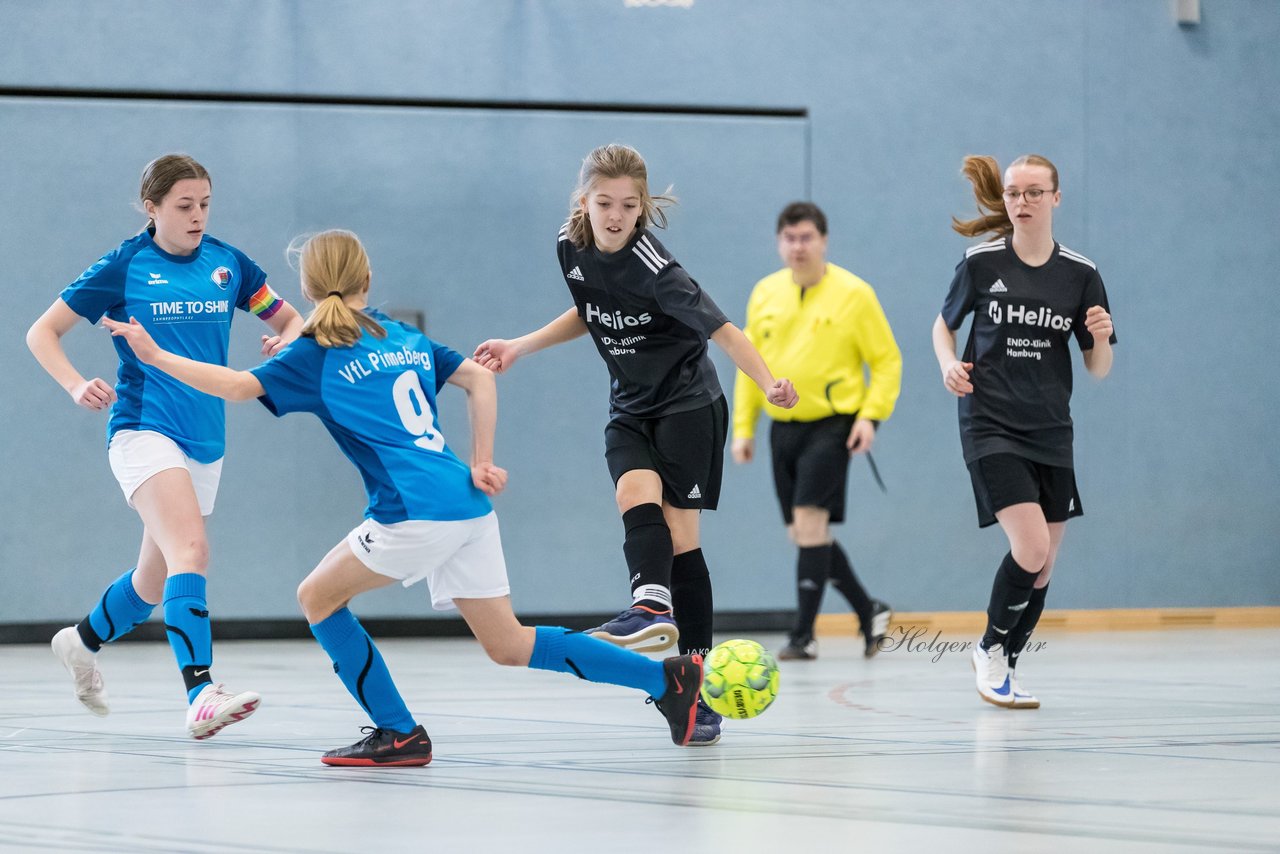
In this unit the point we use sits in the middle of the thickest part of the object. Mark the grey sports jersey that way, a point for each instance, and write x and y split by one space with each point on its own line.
1023 317
649 320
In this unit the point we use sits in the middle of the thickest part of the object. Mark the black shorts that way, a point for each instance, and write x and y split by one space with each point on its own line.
686 449
811 464
1002 480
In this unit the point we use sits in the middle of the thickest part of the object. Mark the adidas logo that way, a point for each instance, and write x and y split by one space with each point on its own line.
575 273
695 492
998 288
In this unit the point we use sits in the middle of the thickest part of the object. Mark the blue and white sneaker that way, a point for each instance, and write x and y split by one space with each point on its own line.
639 629
1022 698
991 669
706 726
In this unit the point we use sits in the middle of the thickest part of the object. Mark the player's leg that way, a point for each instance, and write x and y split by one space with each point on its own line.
474 580
125 604
673 683
689 450
1007 490
648 624
396 738
174 514
1060 501
1021 633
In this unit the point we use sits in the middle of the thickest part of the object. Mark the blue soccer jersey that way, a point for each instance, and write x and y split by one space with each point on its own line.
185 302
378 400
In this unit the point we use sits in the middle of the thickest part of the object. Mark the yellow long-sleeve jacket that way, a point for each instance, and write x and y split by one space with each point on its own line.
819 338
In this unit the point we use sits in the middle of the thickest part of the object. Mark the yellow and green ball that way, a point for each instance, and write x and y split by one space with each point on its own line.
740 678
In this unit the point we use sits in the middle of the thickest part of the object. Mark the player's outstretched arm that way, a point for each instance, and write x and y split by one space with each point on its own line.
482 409
201 376
779 392
44 339
499 354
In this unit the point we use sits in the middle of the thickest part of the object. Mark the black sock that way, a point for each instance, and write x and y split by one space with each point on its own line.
1021 633
1009 596
648 552
813 566
691 596
846 581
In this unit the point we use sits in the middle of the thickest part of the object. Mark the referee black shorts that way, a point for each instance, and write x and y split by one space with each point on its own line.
811 464
1002 480
686 449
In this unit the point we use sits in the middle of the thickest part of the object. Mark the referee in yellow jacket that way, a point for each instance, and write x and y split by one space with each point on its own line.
819 325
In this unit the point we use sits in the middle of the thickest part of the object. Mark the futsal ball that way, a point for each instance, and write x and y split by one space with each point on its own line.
739 679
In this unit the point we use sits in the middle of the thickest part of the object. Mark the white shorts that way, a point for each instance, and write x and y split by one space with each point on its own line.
459 560
137 455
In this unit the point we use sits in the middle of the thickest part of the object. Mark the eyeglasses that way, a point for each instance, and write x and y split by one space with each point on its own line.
1032 195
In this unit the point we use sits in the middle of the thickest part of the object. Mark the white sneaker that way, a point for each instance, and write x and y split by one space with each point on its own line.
1022 698
215 708
991 669
83 667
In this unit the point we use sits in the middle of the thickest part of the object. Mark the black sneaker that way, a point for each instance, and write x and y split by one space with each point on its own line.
679 703
384 747
803 648
874 629
706 726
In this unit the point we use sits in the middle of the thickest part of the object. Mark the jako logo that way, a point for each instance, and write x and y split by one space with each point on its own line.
617 320
1042 316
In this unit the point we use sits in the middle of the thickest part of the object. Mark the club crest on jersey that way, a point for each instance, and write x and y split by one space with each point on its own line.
1042 316
221 277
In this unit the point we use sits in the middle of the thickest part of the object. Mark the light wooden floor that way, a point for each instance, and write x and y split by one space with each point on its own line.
1147 741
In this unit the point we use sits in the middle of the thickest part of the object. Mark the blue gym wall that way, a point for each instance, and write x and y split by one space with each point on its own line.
1165 138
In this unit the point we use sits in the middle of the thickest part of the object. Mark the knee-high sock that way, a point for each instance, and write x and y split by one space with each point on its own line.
118 612
359 665
595 660
694 606
186 620
813 566
1021 633
648 552
1010 593
844 579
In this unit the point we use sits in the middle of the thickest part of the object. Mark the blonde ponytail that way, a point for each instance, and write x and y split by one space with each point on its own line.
333 265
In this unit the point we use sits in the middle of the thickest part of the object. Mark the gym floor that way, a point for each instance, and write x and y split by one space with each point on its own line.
1146 741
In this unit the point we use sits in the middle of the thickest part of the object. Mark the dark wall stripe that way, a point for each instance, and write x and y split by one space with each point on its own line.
291 98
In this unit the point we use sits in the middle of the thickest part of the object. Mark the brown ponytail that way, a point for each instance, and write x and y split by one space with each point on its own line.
988 188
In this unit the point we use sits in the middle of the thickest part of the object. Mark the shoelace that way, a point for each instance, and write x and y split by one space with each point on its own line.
374 733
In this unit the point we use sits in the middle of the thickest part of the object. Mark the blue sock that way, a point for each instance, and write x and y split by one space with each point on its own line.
118 612
186 620
595 660
359 665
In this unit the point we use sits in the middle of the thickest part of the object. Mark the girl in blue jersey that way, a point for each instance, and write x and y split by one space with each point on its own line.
1029 296
373 382
165 441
